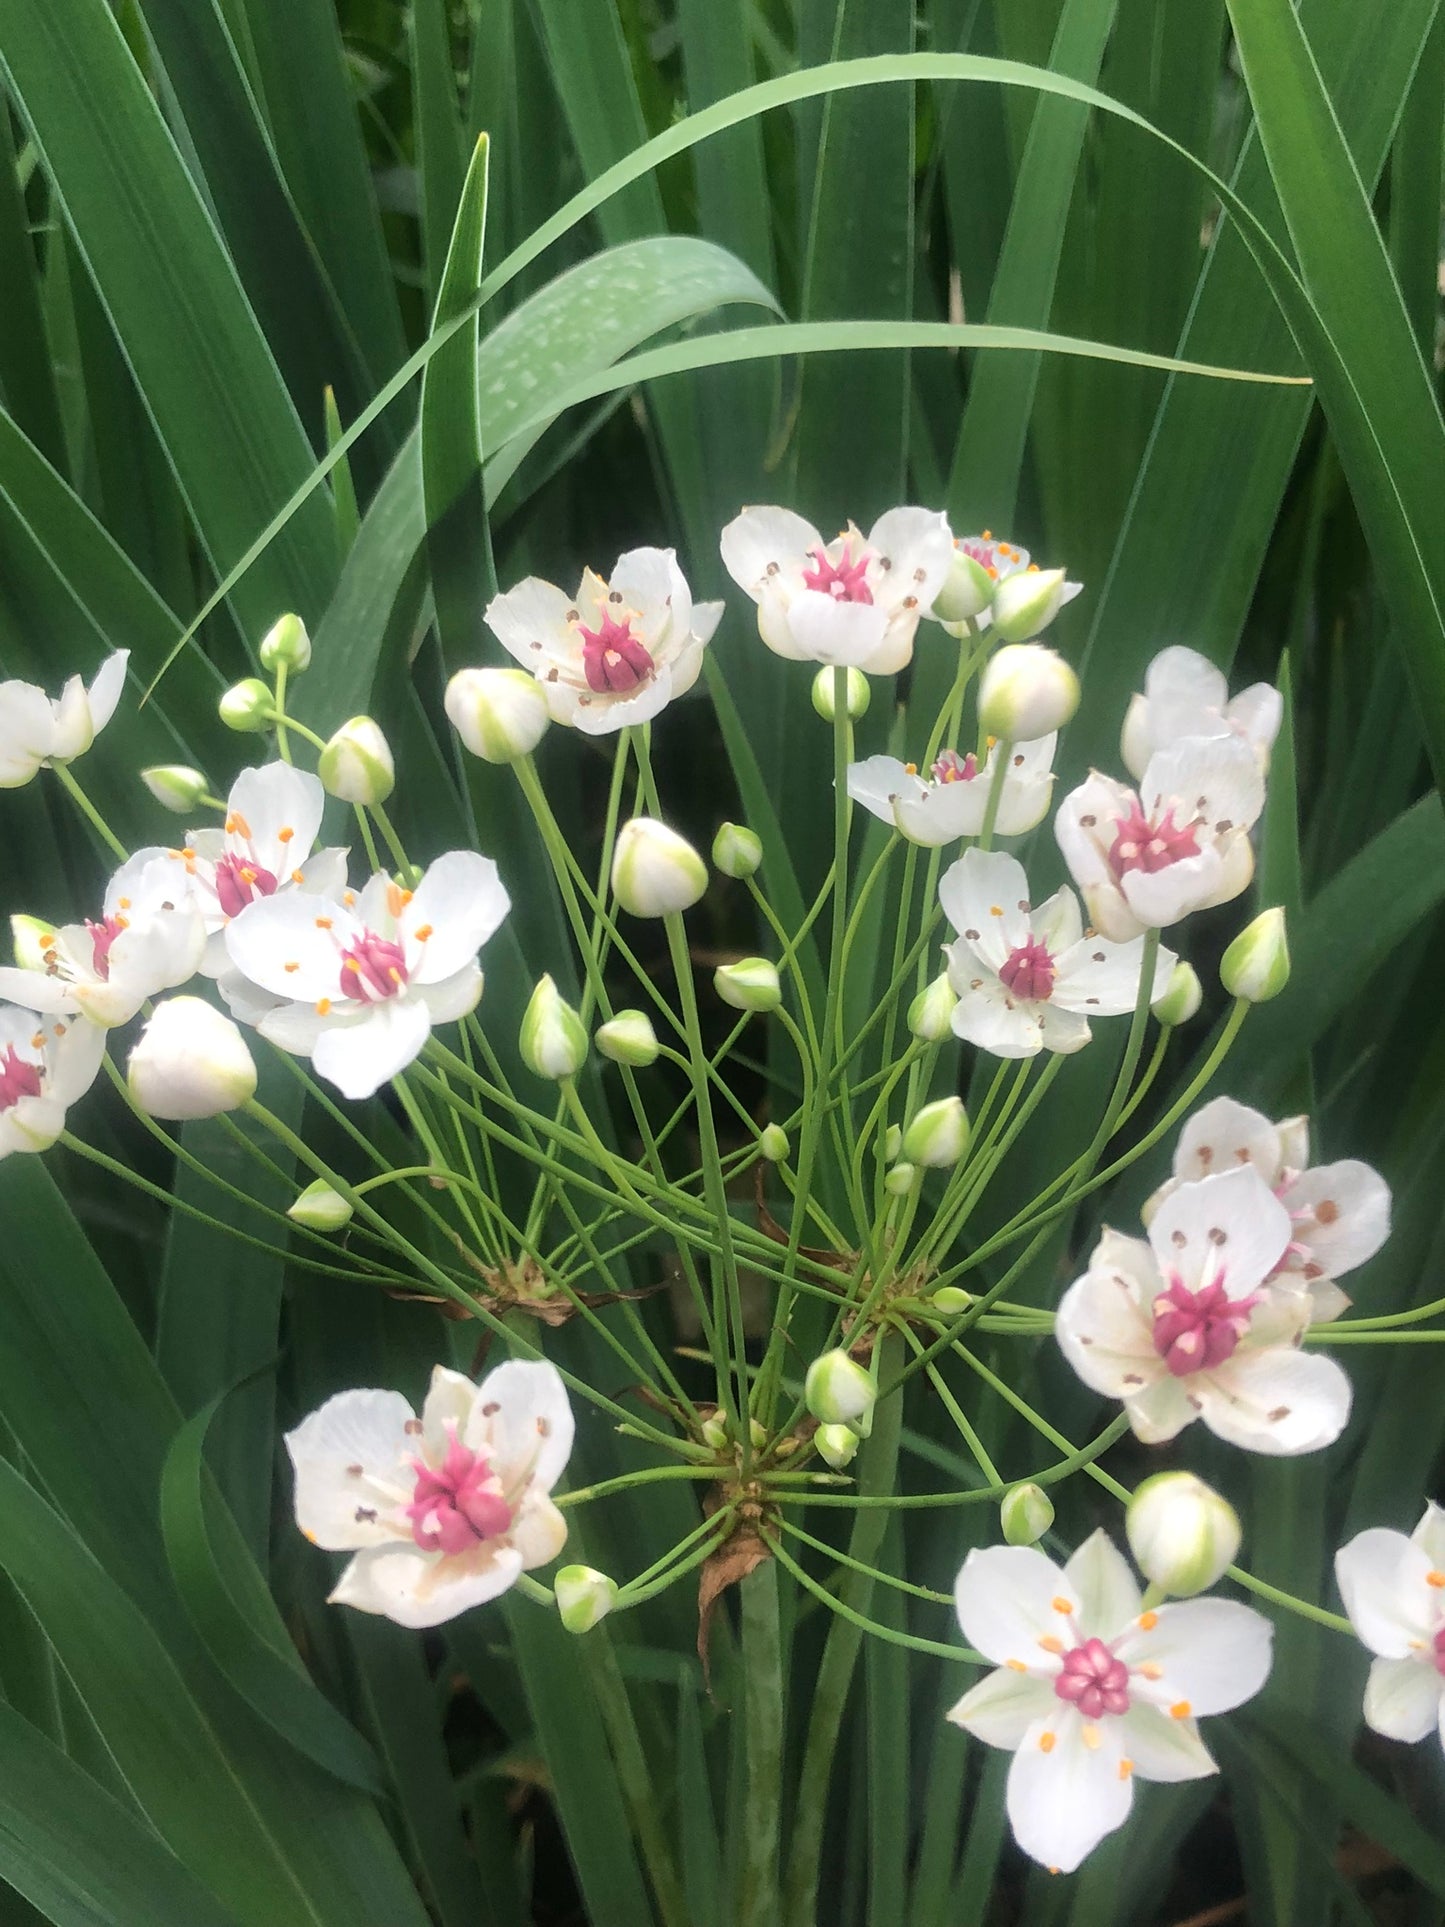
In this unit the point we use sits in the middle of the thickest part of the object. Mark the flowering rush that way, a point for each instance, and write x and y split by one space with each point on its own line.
952 800
445 1511
1394 1593
1091 1689
37 731
45 1066
1186 695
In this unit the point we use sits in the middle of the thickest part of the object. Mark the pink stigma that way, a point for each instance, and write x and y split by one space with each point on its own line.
613 660
1438 1652
460 1505
102 936
238 880
1028 972
845 581
1195 1330
1093 1680
373 968
1142 845
17 1079
952 768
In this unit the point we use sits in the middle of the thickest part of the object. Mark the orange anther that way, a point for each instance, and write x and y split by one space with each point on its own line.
323 1005
1148 1621
298 876
1016 1666
285 836
1180 1710
422 932
290 967
323 923
1126 1767
1047 1742
1435 1578
1051 1643
1059 1603
124 903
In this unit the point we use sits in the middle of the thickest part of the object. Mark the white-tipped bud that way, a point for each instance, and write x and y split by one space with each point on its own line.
1027 691
1181 1532
175 786
900 1180
554 1038
839 1391
937 1135
838 1444
931 1012
967 590
286 642
1025 604
356 764
500 714
750 984
320 1208
190 1061
655 872
1256 965
892 1142
628 1038
247 706
736 850
1182 997
715 1432
858 696
1026 1512
773 1143
584 1596
32 938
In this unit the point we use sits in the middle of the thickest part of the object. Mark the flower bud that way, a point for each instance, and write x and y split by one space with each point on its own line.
31 938
1026 1512
500 714
1182 996
950 1302
736 850
175 786
859 695
967 590
836 1443
628 1038
356 764
654 870
554 1038
1026 603
773 1143
715 1432
1026 692
584 1596
900 1180
750 984
892 1142
931 1012
938 1134
320 1208
247 706
839 1391
1181 1532
190 1061
1256 965
286 642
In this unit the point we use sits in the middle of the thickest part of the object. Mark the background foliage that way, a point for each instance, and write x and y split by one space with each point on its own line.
224 226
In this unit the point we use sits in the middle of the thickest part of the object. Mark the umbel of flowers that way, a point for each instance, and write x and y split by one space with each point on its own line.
289 916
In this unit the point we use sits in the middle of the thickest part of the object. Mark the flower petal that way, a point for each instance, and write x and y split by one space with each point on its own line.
531 624
1404 1698
106 688
538 1532
917 546
1383 1579
453 997
420 1589
461 901
1107 1592
522 1418
1341 1213
1229 1228
351 1461
270 802
1005 1597
1103 1329
989 1019
985 896
846 634
1002 1707
359 1057
291 944
1212 1654
1064 1798
1277 1401
1101 979
764 541
1164 1749
1225 1134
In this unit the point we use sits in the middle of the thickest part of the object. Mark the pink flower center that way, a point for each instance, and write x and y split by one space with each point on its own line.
102 936
374 967
18 1078
458 1505
1194 1330
845 581
1140 844
1093 1680
1028 972
613 660
952 768
238 880
1438 1651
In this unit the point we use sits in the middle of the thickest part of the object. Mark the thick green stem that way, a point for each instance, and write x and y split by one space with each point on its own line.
615 1707
763 1700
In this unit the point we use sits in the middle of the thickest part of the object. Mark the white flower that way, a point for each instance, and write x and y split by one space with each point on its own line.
1186 1326
190 1061
443 1511
356 764
365 978
149 938
36 731
852 602
655 872
1339 1213
1394 1593
1091 1690
44 1068
1185 695
1029 980
1182 843
615 653
955 802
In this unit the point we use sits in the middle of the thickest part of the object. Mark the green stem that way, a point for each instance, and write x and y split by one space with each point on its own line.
600 1661
763 1704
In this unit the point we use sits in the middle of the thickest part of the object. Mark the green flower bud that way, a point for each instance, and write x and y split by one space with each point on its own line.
967 589
628 1038
1181 1532
1256 965
736 850
286 642
32 938
937 1136
837 1444
500 714
715 1432
892 1142
900 1180
248 706
584 1596
1182 996
950 1302
175 786
655 872
1025 604
320 1208
750 984
931 1012
1026 692
554 1038
356 764
1026 1513
838 1391
858 694
773 1143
